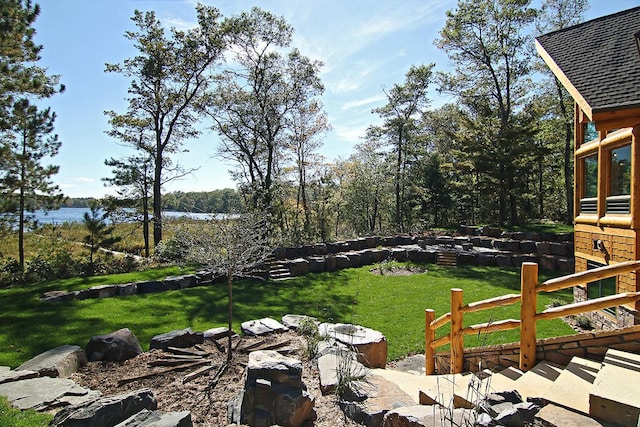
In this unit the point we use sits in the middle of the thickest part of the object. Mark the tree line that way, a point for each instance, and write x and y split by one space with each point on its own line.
500 152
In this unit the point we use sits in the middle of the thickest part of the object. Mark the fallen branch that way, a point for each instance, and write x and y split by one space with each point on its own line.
196 374
262 345
162 371
187 352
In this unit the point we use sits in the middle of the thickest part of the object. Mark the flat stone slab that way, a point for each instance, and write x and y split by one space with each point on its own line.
556 416
58 362
262 326
217 333
9 376
106 411
427 416
147 418
293 321
616 390
180 338
45 393
571 388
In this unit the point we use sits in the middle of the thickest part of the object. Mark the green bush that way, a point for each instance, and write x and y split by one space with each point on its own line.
10 272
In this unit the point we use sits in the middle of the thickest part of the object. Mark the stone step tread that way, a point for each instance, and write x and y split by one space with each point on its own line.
530 384
572 387
437 387
615 393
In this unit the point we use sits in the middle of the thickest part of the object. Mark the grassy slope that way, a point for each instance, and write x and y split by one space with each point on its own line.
393 305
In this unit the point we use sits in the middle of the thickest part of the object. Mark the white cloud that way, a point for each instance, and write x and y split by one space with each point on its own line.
364 101
85 179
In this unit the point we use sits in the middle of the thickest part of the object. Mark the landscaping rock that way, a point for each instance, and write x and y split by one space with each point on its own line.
127 289
151 287
45 393
58 296
262 326
58 362
217 333
273 393
298 267
556 416
147 418
293 321
179 338
375 397
371 345
117 346
9 376
105 291
335 368
106 411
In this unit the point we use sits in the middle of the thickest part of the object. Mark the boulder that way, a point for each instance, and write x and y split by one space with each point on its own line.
45 393
116 346
105 291
151 287
370 345
298 267
179 338
336 367
147 418
262 326
58 362
273 394
375 396
126 289
106 411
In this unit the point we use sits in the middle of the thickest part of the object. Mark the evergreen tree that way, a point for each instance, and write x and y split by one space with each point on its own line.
99 234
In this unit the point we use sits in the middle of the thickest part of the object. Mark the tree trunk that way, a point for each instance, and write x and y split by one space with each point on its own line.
230 315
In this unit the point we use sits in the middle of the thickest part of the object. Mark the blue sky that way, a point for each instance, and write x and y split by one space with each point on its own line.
366 45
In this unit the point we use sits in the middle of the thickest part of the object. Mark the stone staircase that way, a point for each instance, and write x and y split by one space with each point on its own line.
578 394
277 269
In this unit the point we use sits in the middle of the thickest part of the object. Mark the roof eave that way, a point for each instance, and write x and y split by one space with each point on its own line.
564 80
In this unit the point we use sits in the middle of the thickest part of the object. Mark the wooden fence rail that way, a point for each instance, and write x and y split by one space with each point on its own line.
528 313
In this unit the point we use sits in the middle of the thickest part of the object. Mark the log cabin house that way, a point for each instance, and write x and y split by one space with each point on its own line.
598 62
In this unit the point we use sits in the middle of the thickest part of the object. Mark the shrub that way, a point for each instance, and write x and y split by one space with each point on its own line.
38 269
584 321
10 272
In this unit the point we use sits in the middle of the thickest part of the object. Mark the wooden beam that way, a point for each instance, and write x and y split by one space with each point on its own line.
555 69
528 282
590 305
584 277
429 338
491 303
457 339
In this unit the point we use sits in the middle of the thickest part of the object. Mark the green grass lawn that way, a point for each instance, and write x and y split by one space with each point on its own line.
393 305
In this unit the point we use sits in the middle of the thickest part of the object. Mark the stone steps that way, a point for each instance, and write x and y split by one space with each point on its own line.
277 270
584 390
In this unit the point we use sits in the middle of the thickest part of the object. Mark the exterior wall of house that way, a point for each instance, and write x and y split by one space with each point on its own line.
607 238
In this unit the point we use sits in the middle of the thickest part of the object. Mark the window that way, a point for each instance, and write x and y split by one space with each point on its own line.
601 288
589 201
590 132
619 199
621 171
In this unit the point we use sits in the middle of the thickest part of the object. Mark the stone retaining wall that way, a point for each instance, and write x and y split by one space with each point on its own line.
558 350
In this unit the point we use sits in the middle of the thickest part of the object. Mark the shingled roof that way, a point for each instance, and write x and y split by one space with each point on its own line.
597 61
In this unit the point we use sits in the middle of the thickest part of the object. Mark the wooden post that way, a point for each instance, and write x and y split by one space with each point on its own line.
429 337
528 283
457 339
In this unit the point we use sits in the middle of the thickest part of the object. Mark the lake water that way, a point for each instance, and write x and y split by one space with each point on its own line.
77 215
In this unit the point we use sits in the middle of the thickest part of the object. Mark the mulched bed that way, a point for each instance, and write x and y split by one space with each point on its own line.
205 399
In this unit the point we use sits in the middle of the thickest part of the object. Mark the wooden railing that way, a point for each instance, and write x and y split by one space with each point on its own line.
528 312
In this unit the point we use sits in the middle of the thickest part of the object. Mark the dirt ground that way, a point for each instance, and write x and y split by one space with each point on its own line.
203 397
